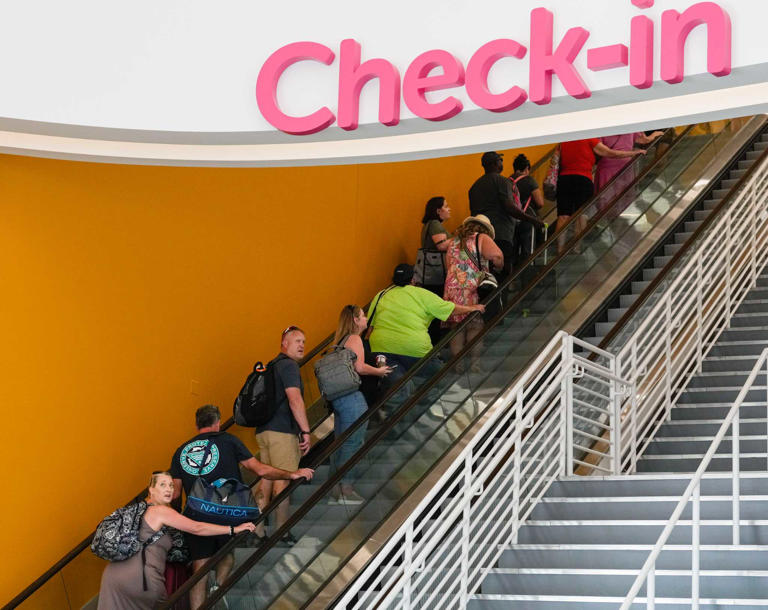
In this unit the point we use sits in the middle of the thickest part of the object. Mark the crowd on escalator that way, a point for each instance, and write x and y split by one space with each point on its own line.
373 350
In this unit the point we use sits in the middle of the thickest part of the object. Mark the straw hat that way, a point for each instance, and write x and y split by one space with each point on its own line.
482 219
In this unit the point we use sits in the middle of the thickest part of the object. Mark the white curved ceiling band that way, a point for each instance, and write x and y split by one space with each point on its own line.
173 83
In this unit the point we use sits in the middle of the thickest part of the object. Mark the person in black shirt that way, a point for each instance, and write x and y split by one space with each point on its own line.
531 199
227 453
493 195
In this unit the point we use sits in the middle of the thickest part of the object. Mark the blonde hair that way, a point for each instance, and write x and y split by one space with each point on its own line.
471 227
156 475
347 324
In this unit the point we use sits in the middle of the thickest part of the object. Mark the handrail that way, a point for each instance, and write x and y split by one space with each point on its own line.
677 256
407 405
404 562
80 547
694 486
59 565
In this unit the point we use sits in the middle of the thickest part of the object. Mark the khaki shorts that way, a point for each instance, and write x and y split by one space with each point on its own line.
279 449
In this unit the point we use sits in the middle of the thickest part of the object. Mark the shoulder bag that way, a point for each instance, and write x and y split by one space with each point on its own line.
335 372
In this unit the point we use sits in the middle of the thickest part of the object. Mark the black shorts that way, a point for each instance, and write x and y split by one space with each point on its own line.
573 191
203 547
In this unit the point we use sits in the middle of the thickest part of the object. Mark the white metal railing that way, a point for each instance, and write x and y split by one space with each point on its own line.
688 315
692 493
443 551
568 412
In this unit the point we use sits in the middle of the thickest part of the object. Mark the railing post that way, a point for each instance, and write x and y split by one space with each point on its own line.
408 567
668 356
633 411
516 467
465 529
566 395
753 241
728 246
615 419
650 589
695 544
699 323
736 463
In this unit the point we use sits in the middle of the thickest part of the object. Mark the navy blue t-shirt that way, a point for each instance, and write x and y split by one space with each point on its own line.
223 461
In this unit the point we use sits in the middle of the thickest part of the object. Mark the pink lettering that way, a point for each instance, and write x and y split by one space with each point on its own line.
418 81
352 78
545 63
676 27
267 81
478 69
641 53
605 58
439 70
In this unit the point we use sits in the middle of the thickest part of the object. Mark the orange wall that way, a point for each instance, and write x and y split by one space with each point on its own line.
133 294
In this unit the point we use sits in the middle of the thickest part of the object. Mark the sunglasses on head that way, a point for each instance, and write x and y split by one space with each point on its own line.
290 329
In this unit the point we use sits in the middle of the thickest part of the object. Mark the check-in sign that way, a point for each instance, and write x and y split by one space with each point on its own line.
346 82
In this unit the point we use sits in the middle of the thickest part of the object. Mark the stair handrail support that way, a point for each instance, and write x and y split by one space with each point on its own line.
693 493
449 541
699 301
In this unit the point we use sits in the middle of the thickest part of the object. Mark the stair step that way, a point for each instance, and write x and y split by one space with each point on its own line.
591 602
635 531
645 507
615 582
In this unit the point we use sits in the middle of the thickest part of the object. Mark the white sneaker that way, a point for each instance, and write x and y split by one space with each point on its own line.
223 601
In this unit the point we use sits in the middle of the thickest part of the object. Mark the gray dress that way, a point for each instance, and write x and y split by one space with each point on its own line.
121 584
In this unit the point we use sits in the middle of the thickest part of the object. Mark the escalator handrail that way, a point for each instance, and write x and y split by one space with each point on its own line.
81 546
393 419
677 256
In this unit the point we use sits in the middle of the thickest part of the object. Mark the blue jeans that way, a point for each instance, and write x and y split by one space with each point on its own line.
404 364
346 411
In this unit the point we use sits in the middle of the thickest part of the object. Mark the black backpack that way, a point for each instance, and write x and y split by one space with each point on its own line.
255 405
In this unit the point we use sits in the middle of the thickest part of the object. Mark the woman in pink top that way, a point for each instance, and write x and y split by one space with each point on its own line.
609 167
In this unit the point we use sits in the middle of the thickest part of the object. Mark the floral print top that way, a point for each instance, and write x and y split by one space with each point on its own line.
462 275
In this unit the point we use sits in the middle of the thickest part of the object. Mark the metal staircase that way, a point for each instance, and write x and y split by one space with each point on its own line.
587 539
665 424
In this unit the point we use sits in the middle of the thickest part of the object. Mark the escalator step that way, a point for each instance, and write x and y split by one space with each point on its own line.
680 238
691 226
614 315
649 274
671 249
661 261
626 300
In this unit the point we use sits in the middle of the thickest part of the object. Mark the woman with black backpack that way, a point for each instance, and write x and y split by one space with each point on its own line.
138 582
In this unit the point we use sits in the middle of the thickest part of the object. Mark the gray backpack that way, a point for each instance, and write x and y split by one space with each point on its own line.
117 536
335 372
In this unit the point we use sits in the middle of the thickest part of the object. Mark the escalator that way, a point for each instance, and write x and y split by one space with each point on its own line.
577 273
66 575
